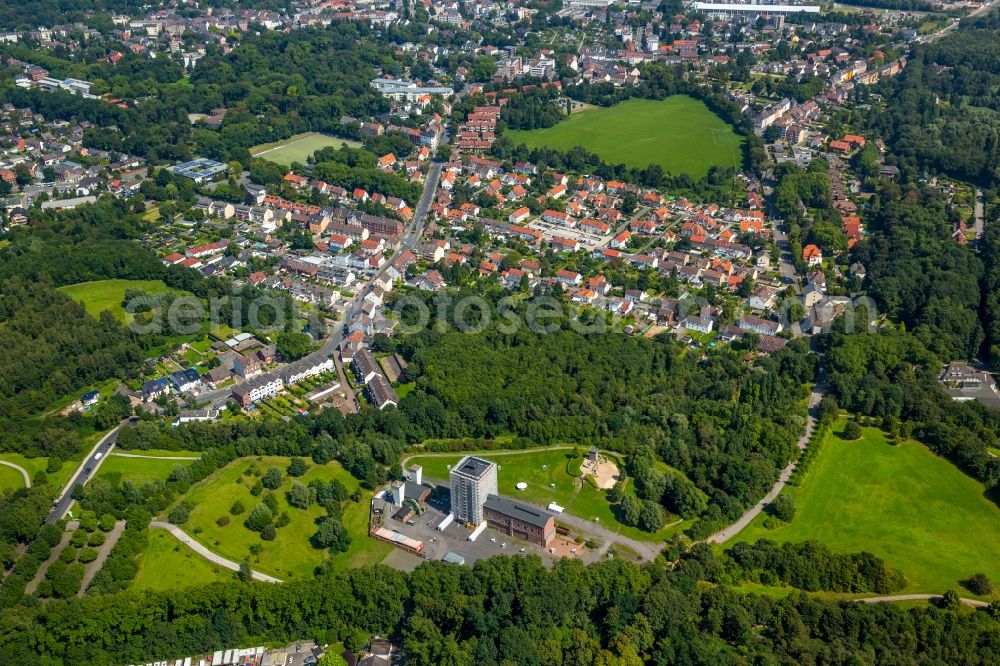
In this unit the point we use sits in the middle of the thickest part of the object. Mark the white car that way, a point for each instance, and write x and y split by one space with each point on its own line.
98 456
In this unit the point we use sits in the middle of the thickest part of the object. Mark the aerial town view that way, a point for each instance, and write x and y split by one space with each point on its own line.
499 332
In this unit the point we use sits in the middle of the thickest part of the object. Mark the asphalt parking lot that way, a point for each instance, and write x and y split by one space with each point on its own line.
455 538
299 654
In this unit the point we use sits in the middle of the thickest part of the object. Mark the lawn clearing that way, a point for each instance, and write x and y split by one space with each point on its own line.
561 467
679 133
108 295
139 471
912 508
290 555
167 564
10 479
298 148
35 465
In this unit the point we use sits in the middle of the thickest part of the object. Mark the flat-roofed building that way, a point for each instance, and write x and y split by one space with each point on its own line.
727 9
472 480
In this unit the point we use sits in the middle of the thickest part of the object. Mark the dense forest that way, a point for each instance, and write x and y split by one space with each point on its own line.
918 274
50 347
504 611
941 113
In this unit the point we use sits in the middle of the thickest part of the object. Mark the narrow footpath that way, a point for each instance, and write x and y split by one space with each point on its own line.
183 537
102 555
729 532
24 472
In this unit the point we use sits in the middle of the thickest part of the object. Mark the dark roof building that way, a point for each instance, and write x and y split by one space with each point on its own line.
155 387
380 392
520 520
365 366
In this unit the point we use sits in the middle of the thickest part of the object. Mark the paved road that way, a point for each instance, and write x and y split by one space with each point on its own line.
102 554
24 472
785 266
644 549
975 603
346 385
84 473
732 530
183 537
934 36
979 214
410 237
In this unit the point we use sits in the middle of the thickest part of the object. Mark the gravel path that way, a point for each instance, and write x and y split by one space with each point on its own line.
24 472
119 454
975 603
102 554
183 537
732 530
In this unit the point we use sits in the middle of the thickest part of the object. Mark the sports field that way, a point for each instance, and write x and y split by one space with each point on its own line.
103 295
679 133
540 468
167 564
901 502
297 148
290 555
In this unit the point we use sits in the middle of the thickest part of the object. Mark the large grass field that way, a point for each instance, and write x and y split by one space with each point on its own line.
290 555
167 564
539 469
297 148
679 133
901 502
108 294
137 470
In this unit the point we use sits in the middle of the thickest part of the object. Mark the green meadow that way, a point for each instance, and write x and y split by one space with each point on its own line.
679 133
899 501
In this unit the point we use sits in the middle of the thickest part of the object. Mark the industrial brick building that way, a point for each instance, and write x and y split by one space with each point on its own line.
519 520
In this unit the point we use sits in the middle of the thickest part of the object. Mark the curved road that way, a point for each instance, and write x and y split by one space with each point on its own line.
24 472
934 36
183 537
500 452
729 532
